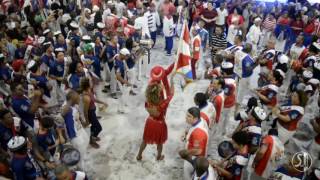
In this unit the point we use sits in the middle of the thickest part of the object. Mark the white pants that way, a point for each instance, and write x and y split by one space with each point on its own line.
113 81
187 170
81 143
143 64
228 123
124 89
314 152
131 74
243 88
284 134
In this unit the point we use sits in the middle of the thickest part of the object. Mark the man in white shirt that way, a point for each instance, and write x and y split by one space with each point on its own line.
297 48
120 8
222 14
254 35
153 21
141 22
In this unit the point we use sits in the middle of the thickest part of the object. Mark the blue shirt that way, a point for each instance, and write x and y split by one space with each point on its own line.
247 66
111 51
64 46
284 171
69 121
42 82
74 81
19 53
119 67
48 60
24 168
76 39
5 73
46 140
96 64
56 69
21 105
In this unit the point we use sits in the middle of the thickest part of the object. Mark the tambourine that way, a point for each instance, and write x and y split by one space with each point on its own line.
225 149
70 156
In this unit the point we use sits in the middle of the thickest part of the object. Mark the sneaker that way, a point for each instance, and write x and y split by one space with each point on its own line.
105 90
134 86
168 54
107 86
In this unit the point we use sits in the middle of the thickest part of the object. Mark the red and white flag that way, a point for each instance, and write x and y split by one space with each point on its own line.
183 62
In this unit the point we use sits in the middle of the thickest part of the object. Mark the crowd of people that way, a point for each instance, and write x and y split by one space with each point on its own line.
262 61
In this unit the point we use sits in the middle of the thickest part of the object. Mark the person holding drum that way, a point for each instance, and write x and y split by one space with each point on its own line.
231 167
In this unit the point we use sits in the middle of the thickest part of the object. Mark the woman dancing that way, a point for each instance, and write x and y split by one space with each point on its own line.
157 100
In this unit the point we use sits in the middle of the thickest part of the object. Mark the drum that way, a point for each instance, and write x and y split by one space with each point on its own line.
70 156
225 149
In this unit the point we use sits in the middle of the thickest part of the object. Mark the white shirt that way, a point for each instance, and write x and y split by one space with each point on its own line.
168 27
153 20
221 18
296 50
254 35
142 23
105 14
120 7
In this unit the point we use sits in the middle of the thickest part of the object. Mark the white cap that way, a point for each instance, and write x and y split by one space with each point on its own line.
46 31
95 8
59 49
283 59
257 19
1 55
314 81
47 43
65 17
101 25
304 8
109 2
226 65
75 25
317 173
41 39
259 113
16 142
243 115
86 38
307 74
57 33
317 45
31 64
301 86
316 65
125 51
281 73
308 88
87 10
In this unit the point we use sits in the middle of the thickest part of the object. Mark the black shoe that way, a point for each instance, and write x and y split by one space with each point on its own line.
107 86
105 90
132 93
114 96
134 86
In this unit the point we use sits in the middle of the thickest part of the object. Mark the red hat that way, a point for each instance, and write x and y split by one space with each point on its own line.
16 64
157 73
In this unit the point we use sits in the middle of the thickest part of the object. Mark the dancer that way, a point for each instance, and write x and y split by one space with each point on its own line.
158 99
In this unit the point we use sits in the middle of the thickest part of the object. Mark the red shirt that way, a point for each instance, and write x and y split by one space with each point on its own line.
209 15
297 27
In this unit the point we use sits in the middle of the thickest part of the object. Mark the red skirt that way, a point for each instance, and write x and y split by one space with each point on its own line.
155 131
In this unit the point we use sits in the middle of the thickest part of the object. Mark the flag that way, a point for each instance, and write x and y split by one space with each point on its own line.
183 62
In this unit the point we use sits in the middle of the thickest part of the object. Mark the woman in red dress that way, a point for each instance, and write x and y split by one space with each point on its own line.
157 100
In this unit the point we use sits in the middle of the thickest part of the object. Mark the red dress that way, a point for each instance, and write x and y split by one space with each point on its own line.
155 129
